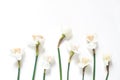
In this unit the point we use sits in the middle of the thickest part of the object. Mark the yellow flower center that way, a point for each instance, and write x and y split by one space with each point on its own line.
85 60
35 37
90 37
16 50
106 58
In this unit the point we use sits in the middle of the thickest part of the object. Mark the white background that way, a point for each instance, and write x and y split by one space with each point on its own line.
19 19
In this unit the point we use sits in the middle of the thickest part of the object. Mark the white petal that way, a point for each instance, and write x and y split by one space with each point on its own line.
18 55
94 38
45 65
73 47
92 45
84 61
67 32
106 58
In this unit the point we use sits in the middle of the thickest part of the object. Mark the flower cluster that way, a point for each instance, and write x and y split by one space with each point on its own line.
73 48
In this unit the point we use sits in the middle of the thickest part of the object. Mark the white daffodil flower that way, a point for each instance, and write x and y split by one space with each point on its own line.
67 32
65 35
17 53
84 61
47 62
91 41
38 39
107 59
73 47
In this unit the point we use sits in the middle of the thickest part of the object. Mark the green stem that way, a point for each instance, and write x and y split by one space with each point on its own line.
107 72
83 73
68 70
33 78
60 65
94 64
18 77
44 73
107 76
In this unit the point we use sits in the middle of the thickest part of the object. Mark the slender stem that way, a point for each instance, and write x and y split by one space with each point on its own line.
33 78
107 67
83 73
44 73
68 70
18 77
60 65
94 64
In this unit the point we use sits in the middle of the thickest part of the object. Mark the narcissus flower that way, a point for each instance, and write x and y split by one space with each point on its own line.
84 62
107 59
92 41
37 40
47 62
73 47
37 43
66 34
17 53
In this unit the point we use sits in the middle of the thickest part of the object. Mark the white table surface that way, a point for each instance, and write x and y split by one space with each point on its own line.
19 19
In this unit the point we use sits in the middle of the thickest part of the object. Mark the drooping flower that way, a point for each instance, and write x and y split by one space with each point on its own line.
66 34
72 49
91 41
17 53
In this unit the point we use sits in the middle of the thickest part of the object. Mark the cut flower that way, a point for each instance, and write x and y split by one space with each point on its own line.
107 59
91 41
17 53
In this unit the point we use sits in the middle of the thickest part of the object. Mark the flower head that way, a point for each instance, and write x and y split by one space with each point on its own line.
17 53
72 48
66 34
91 41
37 43
38 39
107 59
84 61
47 62
91 38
